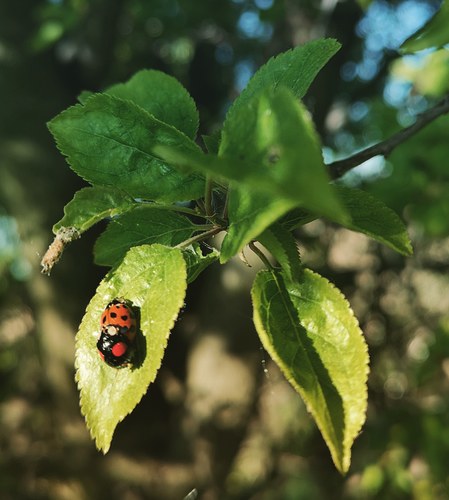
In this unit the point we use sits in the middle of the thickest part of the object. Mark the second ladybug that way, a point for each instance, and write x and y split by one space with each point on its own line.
118 332
118 313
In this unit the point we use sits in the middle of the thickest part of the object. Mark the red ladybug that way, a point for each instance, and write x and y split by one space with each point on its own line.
118 331
118 313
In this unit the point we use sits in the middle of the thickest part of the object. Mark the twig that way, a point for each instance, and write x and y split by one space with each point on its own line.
208 197
260 254
224 215
384 148
199 237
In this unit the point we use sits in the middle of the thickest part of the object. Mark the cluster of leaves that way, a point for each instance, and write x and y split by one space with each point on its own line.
262 176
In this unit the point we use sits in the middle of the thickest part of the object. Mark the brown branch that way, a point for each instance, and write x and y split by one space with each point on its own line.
384 148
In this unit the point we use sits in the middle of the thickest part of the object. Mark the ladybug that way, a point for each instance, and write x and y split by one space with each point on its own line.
115 349
119 314
118 331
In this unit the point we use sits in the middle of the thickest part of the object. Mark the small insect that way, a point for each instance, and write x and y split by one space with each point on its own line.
118 332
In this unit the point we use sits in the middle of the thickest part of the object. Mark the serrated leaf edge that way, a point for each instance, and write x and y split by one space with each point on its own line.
97 96
93 428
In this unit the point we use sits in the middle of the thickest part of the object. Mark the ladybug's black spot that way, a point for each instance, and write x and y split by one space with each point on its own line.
113 315
124 317
103 319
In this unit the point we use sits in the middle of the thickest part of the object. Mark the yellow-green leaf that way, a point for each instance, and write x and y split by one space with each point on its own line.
309 330
153 279
92 204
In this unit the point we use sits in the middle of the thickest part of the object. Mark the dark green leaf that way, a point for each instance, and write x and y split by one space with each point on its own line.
143 225
196 262
162 96
297 218
276 150
368 215
282 245
372 217
92 204
84 95
250 212
212 142
108 142
295 69
309 330
153 279
276 133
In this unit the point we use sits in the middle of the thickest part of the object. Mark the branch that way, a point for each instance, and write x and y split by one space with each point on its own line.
200 237
384 148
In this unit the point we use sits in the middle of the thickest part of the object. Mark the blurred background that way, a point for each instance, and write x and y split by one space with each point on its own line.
220 417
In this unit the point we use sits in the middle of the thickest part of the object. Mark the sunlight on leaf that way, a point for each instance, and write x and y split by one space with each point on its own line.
153 279
309 330
92 204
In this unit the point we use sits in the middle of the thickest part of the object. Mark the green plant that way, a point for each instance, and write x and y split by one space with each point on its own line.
262 177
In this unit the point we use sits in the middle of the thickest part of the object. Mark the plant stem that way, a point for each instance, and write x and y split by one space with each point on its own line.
226 204
199 237
260 254
208 197
205 227
384 148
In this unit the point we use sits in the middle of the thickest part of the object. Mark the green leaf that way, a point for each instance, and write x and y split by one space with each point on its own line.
372 217
84 95
309 330
368 215
196 262
163 97
295 69
282 245
435 33
108 142
153 279
279 135
297 218
276 150
251 212
92 204
143 225
276 133
364 3
212 142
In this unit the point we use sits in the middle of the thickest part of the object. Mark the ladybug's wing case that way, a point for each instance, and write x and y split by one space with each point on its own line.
116 350
118 313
